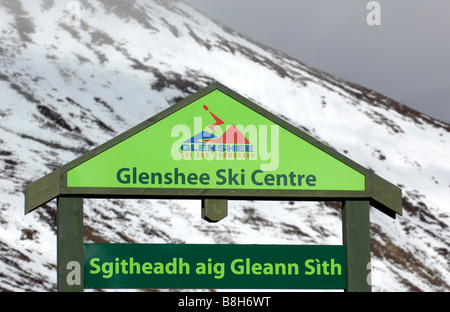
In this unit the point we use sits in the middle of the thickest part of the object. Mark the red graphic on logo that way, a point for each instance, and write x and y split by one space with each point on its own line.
217 119
231 136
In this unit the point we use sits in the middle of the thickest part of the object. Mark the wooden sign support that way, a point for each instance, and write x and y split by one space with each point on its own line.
70 254
356 237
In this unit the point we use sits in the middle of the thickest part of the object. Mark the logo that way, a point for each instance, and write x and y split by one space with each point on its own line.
226 141
232 143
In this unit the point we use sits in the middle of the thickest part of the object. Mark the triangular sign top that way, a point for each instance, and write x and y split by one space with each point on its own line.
216 144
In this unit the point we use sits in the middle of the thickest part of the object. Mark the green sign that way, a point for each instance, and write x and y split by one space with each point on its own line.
215 146
214 266
215 142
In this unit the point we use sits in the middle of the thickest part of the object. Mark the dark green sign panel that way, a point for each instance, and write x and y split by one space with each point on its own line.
214 266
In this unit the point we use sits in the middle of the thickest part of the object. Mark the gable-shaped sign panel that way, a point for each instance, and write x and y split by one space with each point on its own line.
215 142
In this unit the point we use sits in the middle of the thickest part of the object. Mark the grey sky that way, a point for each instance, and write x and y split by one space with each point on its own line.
406 58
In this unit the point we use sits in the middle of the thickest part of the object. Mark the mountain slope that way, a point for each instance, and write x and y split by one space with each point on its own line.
67 88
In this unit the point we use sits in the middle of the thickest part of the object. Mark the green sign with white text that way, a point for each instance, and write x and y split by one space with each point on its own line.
215 142
215 266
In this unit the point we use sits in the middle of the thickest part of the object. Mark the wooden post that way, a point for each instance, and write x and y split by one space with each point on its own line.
356 236
70 252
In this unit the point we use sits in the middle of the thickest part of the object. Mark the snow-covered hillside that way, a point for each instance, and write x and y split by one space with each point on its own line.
67 88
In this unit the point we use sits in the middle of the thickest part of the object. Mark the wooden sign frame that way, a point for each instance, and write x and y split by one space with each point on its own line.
355 217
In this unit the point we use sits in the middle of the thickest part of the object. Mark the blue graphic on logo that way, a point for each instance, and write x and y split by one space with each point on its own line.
200 137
